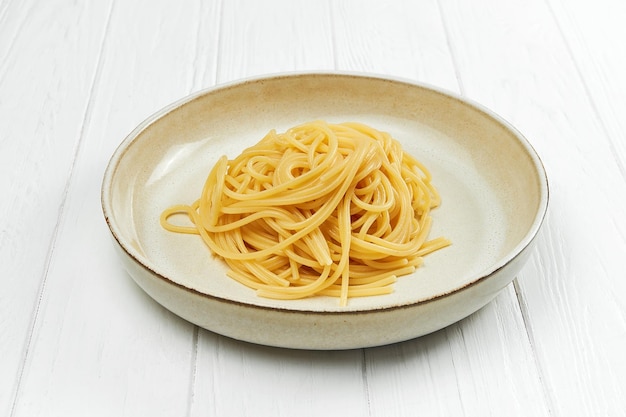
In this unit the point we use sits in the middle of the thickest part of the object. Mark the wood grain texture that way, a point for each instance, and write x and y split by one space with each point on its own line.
411 40
77 337
239 379
43 102
593 33
232 378
480 366
98 342
572 279
402 38
258 38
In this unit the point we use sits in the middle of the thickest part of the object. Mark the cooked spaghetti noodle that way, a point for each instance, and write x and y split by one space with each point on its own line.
322 209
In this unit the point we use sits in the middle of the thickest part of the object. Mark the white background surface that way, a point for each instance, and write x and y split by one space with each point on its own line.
78 337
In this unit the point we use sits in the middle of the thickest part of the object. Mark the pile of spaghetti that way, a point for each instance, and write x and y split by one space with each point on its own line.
322 209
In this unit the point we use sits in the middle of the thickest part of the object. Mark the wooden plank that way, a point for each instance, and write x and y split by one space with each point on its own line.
402 38
259 38
593 33
523 66
450 372
99 344
239 379
48 57
233 378
480 366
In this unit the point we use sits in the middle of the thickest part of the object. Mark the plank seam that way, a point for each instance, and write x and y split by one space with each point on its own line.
194 372
523 307
365 379
453 57
333 34
218 43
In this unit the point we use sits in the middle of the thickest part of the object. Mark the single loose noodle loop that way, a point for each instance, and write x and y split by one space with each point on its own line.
322 209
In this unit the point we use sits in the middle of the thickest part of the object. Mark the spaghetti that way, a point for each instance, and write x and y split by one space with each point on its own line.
322 209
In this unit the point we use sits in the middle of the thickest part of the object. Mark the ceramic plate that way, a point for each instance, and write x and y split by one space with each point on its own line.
493 188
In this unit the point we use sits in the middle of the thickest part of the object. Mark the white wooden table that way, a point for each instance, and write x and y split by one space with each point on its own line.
78 337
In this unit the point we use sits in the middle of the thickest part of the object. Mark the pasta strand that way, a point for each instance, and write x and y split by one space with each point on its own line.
322 209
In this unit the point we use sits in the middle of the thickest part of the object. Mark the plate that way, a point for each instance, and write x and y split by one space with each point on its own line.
492 183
